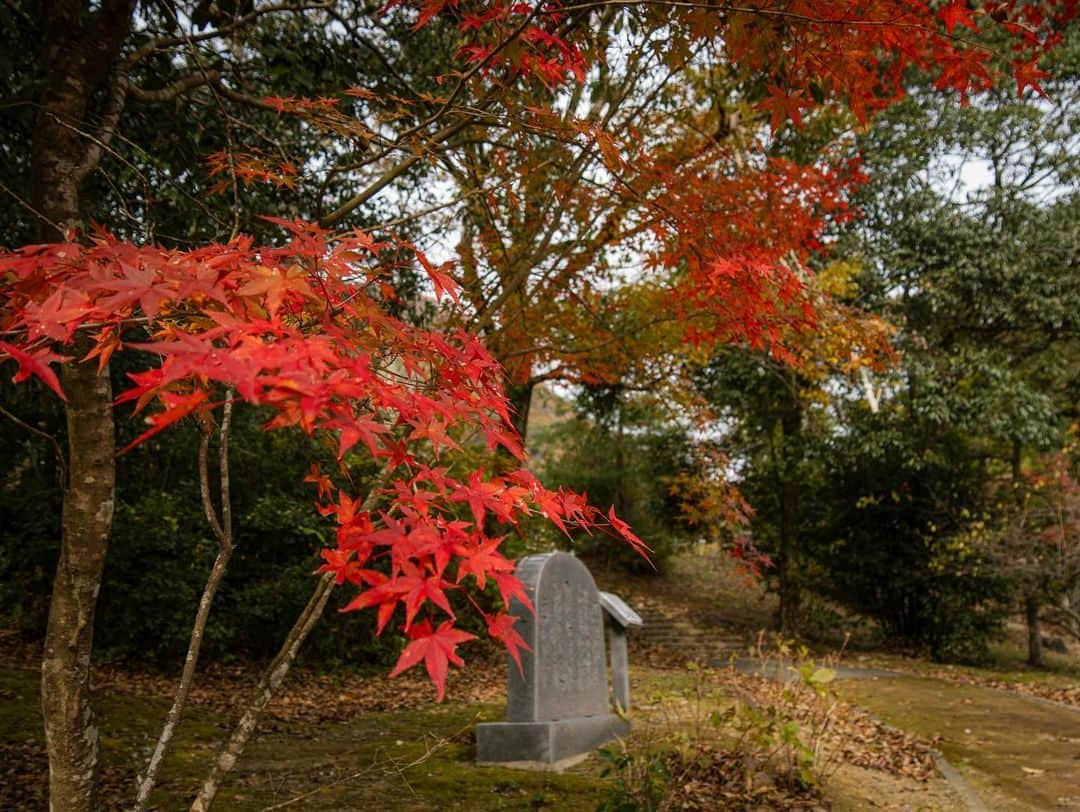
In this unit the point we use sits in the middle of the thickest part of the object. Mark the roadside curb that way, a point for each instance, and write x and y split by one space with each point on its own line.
972 801
961 787
952 776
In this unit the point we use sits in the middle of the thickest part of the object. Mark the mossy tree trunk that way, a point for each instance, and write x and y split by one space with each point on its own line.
81 44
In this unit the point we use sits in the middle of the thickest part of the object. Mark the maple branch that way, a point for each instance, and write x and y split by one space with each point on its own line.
464 196
480 65
110 119
390 175
782 14
275 673
171 91
223 530
26 204
439 137
61 461
244 98
204 487
210 80
239 22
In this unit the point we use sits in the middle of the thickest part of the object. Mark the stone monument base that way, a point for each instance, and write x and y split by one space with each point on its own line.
540 743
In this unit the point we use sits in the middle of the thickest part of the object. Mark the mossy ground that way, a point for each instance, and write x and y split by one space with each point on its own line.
421 757
1017 752
418 759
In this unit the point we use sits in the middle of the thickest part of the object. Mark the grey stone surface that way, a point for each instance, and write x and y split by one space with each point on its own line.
618 610
565 674
557 705
619 617
546 742
620 667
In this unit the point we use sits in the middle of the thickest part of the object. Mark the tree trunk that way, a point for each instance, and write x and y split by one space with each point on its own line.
268 685
790 592
70 730
222 528
79 49
520 397
1031 614
275 674
786 564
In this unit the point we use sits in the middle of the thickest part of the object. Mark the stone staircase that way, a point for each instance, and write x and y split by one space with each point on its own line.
675 632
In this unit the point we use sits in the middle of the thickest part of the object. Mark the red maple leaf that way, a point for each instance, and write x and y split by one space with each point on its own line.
35 363
1028 75
321 481
624 532
783 104
481 560
501 627
177 407
511 587
957 13
436 648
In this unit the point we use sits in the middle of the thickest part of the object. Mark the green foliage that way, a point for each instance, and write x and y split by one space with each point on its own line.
897 536
621 453
892 510
641 784
29 505
784 724
161 548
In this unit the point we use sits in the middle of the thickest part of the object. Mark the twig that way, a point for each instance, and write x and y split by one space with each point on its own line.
223 531
274 674
61 461
26 204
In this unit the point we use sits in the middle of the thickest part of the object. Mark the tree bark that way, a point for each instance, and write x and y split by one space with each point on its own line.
79 49
70 730
1035 649
274 675
789 590
520 397
222 528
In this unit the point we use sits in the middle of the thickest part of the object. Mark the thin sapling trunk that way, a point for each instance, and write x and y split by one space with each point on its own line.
222 528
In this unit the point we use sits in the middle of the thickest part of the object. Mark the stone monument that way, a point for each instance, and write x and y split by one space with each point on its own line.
620 617
558 707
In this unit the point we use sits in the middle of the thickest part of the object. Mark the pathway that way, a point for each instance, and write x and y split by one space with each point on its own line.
1014 752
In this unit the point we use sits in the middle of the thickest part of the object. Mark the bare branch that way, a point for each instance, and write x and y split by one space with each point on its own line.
177 88
223 530
204 487
26 204
61 460
238 23
274 674
390 175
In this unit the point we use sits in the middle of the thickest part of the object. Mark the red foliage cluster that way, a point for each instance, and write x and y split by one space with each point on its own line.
304 330
807 52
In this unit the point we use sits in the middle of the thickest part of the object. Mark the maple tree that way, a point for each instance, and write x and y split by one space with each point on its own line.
558 186
303 328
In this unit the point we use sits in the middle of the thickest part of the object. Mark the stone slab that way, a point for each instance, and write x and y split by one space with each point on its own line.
545 742
619 611
564 669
